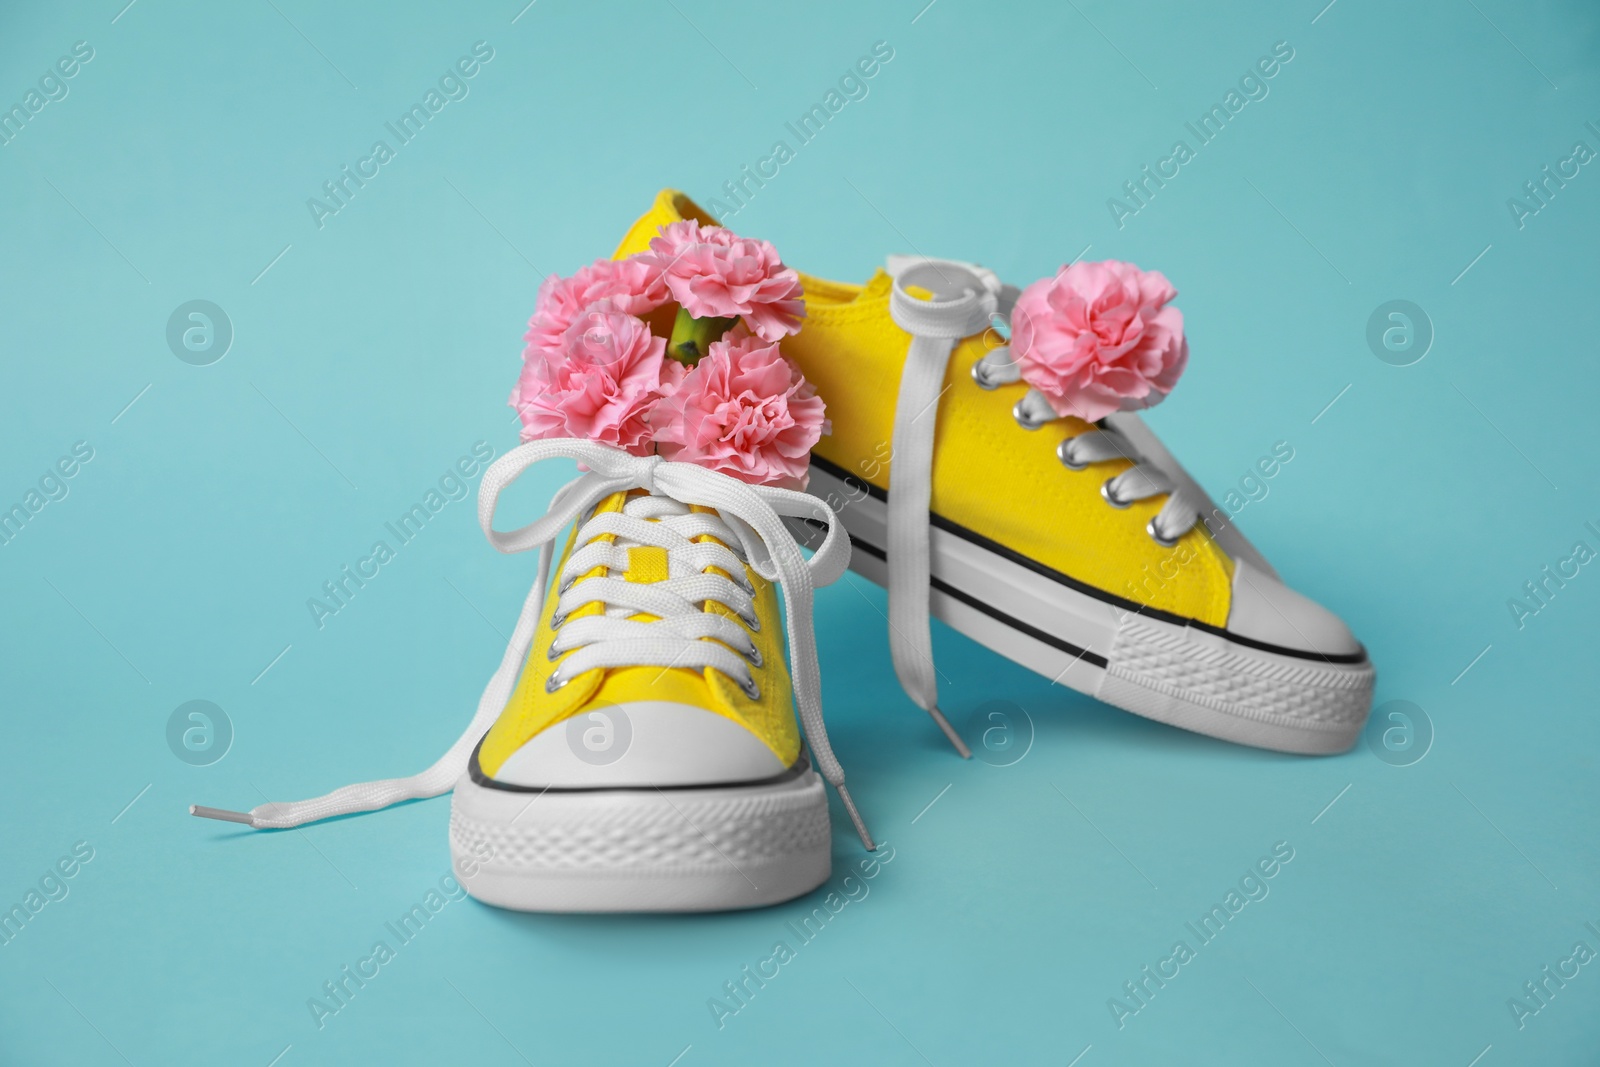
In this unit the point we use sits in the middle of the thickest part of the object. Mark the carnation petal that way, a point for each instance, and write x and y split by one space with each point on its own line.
1098 335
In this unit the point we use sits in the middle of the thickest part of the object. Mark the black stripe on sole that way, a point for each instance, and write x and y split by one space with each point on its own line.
993 612
1130 606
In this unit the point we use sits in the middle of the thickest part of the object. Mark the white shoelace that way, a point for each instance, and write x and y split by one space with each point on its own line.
750 516
612 638
966 300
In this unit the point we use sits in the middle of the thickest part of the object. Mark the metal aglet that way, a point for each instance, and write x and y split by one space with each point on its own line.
950 732
855 817
221 814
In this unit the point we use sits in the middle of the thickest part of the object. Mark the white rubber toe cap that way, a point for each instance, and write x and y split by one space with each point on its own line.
1266 610
647 743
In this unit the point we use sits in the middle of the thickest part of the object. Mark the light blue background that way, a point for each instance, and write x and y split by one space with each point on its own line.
379 347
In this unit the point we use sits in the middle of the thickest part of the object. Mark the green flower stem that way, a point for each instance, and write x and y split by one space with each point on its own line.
692 337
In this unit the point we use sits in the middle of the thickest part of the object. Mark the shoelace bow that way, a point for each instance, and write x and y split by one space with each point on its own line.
750 516
967 300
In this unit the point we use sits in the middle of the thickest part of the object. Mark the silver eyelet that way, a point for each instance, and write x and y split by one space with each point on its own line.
1111 497
754 655
751 622
1155 535
1023 419
981 378
555 681
1064 452
552 652
557 621
751 689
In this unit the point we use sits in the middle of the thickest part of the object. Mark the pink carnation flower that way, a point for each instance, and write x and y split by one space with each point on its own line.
1099 338
746 411
714 273
598 382
632 285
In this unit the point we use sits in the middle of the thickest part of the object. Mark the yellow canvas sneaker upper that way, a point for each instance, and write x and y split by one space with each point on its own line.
1080 549
752 695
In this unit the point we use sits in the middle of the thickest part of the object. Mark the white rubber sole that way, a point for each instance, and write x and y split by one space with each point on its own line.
1155 665
612 850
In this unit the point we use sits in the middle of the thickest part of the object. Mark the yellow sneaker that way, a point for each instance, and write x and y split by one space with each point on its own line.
637 749
1079 549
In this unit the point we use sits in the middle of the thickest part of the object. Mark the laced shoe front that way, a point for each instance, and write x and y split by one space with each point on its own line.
637 750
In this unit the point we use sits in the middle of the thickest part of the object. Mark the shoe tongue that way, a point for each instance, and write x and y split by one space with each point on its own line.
647 563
